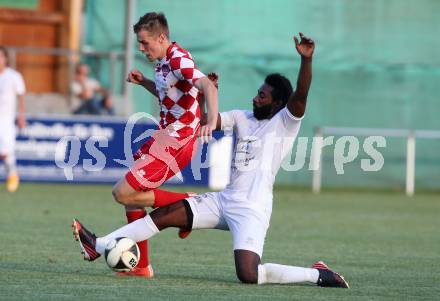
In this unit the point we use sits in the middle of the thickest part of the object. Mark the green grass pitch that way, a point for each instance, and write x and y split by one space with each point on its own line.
386 245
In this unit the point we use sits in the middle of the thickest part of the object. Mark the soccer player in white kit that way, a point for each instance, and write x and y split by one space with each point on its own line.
264 137
11 87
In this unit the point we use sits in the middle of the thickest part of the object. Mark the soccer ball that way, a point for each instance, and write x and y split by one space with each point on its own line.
122 254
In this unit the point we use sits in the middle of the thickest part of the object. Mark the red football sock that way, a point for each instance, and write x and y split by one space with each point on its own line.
163 197
133 215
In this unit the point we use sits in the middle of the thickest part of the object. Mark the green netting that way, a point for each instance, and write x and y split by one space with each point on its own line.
376 65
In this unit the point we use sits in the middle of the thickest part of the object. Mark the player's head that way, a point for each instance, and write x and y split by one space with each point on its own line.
3 57
82 69
153 35
272 96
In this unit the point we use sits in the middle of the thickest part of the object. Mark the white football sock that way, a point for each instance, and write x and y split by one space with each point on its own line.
10 165
277 273
139 230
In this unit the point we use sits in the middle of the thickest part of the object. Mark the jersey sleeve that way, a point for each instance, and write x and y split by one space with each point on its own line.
184 68
230 119
20 88
290 122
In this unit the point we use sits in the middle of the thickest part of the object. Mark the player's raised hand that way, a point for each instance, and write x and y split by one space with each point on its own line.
135 77
305 46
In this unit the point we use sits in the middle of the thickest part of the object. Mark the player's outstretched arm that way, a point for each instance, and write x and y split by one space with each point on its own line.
136 77
213 77
297 101
205 85
21 119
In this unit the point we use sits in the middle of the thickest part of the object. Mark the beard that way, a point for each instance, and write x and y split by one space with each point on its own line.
262 112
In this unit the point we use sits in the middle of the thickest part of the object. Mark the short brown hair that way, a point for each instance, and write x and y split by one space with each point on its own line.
152 22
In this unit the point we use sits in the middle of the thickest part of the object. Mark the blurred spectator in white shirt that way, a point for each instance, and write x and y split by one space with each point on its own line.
94 99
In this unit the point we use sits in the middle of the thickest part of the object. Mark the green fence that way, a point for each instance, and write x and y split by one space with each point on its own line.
376 65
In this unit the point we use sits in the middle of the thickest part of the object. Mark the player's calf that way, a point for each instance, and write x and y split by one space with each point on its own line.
248 276
246 266
177 215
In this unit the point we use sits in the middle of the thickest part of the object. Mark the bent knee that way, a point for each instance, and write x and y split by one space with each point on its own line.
120 197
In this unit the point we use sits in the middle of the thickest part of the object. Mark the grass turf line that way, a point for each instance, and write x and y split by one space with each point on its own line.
386 245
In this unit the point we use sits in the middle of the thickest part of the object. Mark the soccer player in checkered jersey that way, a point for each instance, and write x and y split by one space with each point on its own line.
12 88
264 137
177 83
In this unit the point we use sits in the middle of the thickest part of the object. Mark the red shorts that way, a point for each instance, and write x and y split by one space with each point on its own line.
158 160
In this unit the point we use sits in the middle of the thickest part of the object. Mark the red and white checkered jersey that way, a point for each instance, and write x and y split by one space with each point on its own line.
175 77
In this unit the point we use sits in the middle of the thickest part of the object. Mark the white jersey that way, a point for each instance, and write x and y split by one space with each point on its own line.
260 147
11 85
245 206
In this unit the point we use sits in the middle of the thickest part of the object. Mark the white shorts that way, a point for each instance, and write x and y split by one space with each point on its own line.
248 226
7 138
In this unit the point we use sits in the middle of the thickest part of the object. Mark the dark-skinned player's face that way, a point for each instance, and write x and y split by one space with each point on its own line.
263 102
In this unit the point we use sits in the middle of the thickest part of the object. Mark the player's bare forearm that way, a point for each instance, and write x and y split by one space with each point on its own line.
304 78
150 86
298 100
21 105
212 106
136 77
21 112
213 77
210 93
